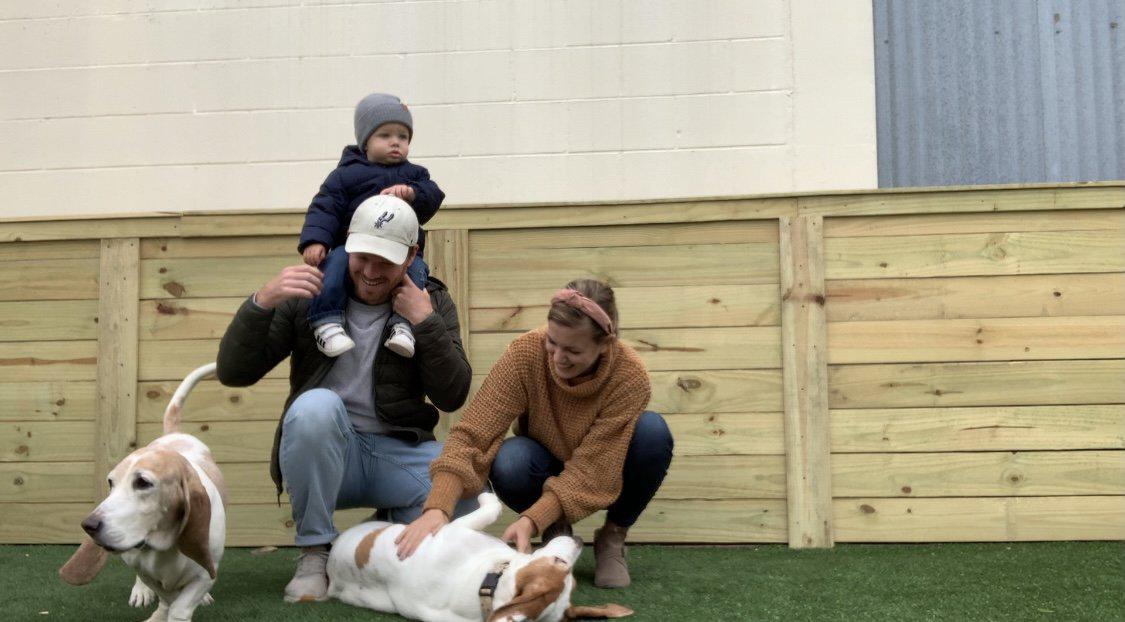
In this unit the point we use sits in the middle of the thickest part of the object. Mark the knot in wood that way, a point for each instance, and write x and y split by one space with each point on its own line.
688 384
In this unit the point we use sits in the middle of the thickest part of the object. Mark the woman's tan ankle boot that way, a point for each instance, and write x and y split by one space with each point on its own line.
609 551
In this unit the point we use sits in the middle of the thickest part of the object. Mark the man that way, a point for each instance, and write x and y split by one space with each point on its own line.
356 430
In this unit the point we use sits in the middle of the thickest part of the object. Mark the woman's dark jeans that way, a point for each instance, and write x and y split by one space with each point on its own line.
522 466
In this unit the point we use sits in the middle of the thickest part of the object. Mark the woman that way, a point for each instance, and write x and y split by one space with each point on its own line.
583 443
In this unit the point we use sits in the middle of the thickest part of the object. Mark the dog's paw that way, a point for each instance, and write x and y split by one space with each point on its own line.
142 595
207 600
490 506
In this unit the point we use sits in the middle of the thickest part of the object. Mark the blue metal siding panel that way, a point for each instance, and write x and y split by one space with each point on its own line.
1005 91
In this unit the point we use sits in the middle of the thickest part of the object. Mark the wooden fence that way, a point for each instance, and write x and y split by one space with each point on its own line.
925 365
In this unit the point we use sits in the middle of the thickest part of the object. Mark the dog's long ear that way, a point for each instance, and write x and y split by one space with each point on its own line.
610 610
538 584
85 564
194 540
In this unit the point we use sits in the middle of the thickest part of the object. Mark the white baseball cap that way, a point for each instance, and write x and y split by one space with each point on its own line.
383 225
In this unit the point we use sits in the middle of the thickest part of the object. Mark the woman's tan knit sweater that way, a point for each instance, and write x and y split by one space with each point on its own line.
587 426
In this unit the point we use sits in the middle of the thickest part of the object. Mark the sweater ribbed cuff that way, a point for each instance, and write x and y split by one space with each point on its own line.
545 511
444 493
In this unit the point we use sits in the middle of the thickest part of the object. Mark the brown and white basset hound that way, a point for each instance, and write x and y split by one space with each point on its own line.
166 515
459 574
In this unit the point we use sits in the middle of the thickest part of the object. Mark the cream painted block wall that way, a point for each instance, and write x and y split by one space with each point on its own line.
113 106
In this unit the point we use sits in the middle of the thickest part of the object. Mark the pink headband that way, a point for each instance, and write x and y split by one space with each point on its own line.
572 298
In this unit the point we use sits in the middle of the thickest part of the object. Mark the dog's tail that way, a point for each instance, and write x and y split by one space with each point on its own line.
172 413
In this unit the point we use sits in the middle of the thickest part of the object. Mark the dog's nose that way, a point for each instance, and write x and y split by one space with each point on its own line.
92 525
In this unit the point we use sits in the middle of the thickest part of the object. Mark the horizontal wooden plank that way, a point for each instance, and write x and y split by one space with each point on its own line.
47 401
38 482
711 434
24 361
690 477
979 474
979 519
209 277
991 339
249 482
1052 295
979 429
247 246
230 441
1002 222
708 210
51 320
50 279
973 519
966 200
174 359
665 520
730 391
683 306
196 225
670 348
46 441
1029 383
89 228
211 401
627 235
42 523
189 318
721 521
269 524
705 521
979 254
744 477
719 264
695 433
716 391
71 249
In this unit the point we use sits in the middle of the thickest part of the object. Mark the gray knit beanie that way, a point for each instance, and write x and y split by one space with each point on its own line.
377 109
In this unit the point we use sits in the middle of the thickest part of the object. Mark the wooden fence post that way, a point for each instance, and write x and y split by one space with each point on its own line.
115 427
804 350
447 252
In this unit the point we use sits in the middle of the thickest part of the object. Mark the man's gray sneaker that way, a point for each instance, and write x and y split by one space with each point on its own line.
310 582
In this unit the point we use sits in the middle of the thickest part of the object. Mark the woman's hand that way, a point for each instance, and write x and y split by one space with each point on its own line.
520 533
430 522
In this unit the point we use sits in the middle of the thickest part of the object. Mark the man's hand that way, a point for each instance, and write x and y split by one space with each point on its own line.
314 254
411 302
291 282
520 533
402 191
430 522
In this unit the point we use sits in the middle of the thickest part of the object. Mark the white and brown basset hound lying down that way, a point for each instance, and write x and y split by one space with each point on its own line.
166 515
458 575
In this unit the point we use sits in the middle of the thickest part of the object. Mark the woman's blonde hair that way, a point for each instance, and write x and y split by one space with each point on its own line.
600 293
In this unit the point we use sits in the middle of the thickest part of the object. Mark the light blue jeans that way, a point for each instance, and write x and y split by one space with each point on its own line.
327 465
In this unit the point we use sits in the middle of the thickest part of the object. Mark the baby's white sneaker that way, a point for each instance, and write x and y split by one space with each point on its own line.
332 340
401 341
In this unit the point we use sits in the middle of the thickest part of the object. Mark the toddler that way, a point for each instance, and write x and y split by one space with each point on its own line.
376 164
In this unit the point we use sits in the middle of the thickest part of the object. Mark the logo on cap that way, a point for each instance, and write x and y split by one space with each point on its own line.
385 218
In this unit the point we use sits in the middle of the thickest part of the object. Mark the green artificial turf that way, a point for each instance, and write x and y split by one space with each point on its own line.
1027 581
